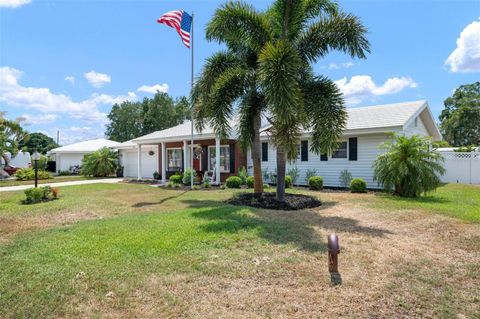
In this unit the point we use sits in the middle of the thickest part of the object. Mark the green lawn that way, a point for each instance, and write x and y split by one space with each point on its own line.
455 200
125 250
56 179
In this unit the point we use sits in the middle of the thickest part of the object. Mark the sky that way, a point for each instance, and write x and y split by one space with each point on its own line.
63 64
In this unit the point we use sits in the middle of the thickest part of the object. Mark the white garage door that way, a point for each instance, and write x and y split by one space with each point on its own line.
129 162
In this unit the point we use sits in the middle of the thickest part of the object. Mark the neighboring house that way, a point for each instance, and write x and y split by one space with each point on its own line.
167 151
21 160
72 155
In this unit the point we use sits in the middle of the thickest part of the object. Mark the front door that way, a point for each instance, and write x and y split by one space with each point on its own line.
196 162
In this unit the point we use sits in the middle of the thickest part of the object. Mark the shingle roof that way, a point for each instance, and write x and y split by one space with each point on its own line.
361 118
85 146
387 115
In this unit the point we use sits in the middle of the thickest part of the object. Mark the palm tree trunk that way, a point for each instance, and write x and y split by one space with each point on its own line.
281 166
256 156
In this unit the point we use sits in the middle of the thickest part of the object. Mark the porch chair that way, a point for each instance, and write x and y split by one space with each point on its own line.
210 175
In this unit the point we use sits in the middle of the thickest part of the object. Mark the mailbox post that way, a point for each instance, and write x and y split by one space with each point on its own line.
333 251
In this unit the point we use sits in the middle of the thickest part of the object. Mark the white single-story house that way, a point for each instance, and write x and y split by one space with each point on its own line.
167 151
72 155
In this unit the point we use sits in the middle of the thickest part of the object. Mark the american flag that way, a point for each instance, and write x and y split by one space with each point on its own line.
179 20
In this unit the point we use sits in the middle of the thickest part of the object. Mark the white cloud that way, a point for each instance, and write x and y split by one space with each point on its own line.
162 88
75 134
13 3
70 79
361 87
338 66
44 101
97 79
466 56
39 118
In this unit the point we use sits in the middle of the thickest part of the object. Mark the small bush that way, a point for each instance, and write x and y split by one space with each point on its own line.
250 181
265 186
28 174
64 173
176 185
170 184
222 187
315 182
358 185
345 178
196 187
233 182
187 176
176 179
288 181
40 194
243 174
294 172
207 185
310 173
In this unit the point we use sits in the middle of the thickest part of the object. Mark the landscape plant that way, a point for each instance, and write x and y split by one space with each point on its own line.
294 173
233 182
187 175
176 179
345 178
315 182
409 167
39 194
243 174
358 185
101 163
288 181
28 174
310 173
250 182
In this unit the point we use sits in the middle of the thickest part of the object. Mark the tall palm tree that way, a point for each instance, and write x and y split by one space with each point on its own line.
267 70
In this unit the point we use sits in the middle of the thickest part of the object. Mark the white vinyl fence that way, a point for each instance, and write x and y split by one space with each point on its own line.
461 167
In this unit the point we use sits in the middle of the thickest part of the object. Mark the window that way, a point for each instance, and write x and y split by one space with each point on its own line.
174 159
341 152
224 158
264 152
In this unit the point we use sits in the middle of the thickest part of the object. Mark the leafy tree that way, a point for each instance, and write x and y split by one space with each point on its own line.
11 134
129 120
409 166
440 144
38 142
267 71
461 117
101 163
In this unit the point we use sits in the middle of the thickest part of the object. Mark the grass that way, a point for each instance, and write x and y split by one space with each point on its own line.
124 250
455 200
56 179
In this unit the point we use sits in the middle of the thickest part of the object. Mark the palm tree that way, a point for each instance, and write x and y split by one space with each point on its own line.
266 70
409 166
101 163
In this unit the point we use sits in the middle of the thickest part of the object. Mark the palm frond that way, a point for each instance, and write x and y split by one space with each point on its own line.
343 32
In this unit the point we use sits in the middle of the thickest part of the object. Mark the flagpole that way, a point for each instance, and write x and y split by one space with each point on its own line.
191 115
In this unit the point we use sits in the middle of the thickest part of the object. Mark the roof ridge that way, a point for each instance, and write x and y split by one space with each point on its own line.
384 105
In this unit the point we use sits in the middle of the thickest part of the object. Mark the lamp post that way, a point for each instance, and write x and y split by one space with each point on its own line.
36 157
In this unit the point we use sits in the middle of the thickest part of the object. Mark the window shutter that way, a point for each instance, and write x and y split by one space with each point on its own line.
352 149
232 158
324 157
183 160
264 152
205 158
304 151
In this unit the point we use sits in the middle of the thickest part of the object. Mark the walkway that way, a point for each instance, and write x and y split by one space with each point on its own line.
60 184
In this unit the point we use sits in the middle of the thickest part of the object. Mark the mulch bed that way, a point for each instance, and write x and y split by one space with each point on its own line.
269 201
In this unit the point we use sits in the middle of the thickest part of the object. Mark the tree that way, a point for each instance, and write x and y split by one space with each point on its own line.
129 120
37 142
101 163
461 117
409 166
11 134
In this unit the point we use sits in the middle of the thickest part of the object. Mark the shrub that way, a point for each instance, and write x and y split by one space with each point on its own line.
345 178
156 175
288 181
101 163
266 185
170 184
233 182
243 174
37 195
196 187
222 187
187 176
315 182
409 166
358 185
294 173
310 173
207 184
273 177
250 181
41 163
176 185
28 174
176 179
64 173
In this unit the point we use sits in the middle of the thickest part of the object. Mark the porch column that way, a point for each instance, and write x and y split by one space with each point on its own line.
139 161
185 155
217 161
164 163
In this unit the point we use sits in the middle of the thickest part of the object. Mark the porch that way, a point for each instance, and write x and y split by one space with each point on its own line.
219 158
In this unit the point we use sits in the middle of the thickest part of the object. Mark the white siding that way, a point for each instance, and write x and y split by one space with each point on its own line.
419 129
330 170
128 159
65 160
